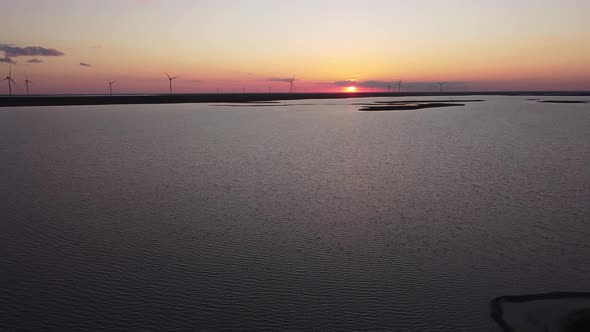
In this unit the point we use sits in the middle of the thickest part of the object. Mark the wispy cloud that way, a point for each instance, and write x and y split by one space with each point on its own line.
413 86
228 81
35 60
12 51
84 64
434 86
15 51
280 79
364 84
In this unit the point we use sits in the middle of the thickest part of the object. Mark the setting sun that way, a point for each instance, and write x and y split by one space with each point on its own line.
351 89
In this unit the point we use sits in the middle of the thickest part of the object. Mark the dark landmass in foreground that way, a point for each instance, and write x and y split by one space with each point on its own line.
558 311
65 100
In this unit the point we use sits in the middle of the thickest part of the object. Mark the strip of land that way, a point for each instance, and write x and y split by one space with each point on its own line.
397 102
407 107
564 101
66 100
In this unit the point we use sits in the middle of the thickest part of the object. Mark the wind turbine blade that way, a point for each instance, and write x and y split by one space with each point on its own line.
167 75
12 81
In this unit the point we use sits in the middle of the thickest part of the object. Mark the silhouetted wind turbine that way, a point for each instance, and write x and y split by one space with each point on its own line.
27 82
399 86
10 80
292 84
389 87
170 79
442 84
111 87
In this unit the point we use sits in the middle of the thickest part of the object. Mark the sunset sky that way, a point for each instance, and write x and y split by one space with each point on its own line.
74 46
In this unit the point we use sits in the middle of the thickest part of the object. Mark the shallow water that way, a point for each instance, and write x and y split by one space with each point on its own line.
313 216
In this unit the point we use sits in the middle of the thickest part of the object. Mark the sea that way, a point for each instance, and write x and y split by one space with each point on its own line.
303 215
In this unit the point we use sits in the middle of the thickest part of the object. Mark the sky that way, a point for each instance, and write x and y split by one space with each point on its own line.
75 46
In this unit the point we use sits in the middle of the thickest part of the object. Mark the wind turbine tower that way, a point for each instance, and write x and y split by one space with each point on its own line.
111 87
27 82
442 85
171 79
399 86
10 80
292 84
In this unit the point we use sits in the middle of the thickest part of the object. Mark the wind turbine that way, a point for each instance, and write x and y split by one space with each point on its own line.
292 84
399 86
27 82
170 79
389 87
10 80
111 86
442 84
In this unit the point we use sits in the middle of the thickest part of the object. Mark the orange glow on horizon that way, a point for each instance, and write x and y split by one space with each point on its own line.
351 89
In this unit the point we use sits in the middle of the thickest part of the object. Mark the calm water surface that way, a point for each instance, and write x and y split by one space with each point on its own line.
314 216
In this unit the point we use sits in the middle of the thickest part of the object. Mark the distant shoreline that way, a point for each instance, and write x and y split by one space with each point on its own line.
73 100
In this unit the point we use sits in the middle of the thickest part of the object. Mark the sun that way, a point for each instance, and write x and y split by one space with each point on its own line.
351 88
